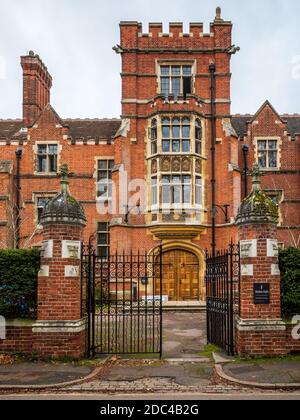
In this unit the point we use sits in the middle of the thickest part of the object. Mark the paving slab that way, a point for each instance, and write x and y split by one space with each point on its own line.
184 334
267 372
27 374
185 373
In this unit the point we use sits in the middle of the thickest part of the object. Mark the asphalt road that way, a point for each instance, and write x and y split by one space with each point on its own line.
155 397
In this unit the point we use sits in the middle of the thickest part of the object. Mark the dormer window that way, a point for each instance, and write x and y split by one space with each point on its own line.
176 80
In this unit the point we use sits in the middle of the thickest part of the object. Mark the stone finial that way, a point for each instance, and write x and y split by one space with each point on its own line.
256 174
64 174
218 17
257 207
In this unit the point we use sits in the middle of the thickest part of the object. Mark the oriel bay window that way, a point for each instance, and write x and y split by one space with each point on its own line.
175 190
267 154
176 80
176 135
154 191
198 137
198 191
153 136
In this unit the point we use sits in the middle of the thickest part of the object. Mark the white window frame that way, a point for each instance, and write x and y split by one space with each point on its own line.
278 150
40 195
174 63
108 170
36 154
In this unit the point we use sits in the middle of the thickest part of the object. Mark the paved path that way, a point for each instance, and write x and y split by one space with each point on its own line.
184 334
23 374
268 371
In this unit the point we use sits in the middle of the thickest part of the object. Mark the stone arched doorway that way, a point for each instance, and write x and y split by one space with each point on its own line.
181 275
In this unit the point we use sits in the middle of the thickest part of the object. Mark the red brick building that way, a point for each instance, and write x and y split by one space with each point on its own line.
176 115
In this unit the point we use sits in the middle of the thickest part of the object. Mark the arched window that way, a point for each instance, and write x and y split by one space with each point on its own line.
153 136
198 137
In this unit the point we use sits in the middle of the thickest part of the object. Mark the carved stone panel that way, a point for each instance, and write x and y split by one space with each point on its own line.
165 164
247 270
272 248
186 164
249 249
198 166
154 166
176 164
44 271
71 249
71 271
47 249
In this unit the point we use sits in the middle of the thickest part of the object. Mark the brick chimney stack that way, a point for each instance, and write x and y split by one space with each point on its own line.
37 83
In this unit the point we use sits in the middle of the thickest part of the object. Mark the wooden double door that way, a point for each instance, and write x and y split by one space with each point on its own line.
180 280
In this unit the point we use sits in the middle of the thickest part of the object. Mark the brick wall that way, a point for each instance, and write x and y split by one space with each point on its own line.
19 338
266 343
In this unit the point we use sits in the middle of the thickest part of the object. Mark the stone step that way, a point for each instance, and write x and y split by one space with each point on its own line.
184 306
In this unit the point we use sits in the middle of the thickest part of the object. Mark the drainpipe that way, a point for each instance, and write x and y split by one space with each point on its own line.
245 154
212 69
19 154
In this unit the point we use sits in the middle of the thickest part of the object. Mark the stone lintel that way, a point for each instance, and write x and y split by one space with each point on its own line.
260 325
59 326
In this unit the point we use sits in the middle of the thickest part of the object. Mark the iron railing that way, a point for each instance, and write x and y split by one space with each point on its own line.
123 302
223 294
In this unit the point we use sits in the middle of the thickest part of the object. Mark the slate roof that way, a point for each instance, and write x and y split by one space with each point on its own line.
79 129
239 123
10 128
97 128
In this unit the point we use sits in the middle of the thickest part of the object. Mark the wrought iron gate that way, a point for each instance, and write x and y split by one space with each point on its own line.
223 294
122 297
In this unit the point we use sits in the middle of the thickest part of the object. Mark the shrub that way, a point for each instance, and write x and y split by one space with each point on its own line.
18 282
290 281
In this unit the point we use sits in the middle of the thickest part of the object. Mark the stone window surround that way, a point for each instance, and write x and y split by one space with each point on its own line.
279 144
280 194
35 151
35 198
169 62
95 176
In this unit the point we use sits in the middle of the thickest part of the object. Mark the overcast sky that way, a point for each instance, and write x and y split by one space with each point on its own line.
75 40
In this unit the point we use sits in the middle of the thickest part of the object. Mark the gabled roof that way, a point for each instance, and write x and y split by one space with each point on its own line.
48 108
264 105
240 122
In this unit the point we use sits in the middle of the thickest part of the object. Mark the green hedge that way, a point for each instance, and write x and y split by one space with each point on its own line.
290 281
18 282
